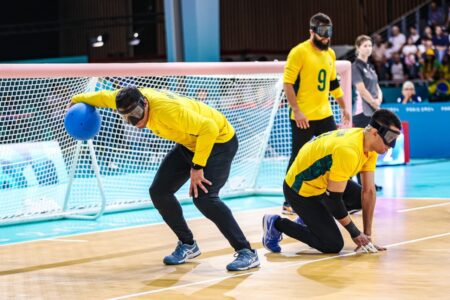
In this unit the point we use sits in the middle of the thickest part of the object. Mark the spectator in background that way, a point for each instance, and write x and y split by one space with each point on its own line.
408 94
444 66
378 51
428 64
440 42
365 80
414 34
397 69
410 57
427 33
397 39
436 15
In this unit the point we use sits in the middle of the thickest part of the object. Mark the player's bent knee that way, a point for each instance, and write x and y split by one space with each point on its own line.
335 247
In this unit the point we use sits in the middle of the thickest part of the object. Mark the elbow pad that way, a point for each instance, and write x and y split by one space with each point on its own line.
333 201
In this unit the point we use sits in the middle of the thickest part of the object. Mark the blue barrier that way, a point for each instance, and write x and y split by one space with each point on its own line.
428 128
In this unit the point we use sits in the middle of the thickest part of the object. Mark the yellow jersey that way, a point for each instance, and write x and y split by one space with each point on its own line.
336 155
180 119
313 70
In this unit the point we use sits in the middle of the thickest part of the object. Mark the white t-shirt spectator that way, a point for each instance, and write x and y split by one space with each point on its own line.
408 49
397 71
397 41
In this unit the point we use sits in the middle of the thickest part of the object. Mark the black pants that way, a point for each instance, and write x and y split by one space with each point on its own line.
175 171
322 232
360 120
301 136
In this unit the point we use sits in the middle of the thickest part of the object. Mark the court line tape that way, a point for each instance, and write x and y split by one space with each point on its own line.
271 269
422 207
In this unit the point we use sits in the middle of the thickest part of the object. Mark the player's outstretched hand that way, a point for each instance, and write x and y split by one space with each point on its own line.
197 180
301 120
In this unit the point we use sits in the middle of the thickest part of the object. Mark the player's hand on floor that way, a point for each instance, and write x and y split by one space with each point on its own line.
197 181
369 247
379 248
301 120
361 241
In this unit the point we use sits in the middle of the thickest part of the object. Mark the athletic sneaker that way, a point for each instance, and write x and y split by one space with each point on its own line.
271 235
245 259
182 253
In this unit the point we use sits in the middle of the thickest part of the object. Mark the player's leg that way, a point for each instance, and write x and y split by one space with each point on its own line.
172 174
217 171
299 138
320 230
324 125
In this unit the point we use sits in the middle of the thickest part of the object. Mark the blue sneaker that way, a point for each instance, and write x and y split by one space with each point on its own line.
245 259
271 235
299 221
182 253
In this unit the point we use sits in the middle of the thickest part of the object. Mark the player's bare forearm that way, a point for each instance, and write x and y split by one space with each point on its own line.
368 208
342 103
291 97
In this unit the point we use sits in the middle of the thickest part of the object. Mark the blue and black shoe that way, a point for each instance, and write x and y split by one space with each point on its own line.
271 235
182 253
245 259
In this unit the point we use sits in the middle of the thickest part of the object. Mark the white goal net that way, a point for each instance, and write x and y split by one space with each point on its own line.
36 153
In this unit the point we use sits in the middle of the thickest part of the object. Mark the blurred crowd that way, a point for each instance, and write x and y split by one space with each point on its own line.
415 55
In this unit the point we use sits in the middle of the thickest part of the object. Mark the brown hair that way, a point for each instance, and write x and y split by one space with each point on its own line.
361 39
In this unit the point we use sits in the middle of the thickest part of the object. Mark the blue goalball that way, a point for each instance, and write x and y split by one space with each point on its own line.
82 121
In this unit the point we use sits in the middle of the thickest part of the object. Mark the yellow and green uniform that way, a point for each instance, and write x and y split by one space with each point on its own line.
315 72
336 155
180 119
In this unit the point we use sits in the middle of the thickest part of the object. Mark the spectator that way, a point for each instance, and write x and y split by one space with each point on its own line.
378 50
397 39
427 33
397 69
444 67
410 47
440 42
414 35
428 62
436 15
408 94
410 58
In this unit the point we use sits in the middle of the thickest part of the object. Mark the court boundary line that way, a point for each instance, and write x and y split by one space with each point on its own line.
423 207
271 269
196 218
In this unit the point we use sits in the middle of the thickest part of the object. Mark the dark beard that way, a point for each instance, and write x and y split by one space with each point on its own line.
321 45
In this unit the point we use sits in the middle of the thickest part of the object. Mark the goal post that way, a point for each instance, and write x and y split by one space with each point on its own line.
36 153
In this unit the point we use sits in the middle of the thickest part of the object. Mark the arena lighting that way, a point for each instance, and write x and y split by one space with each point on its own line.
134 40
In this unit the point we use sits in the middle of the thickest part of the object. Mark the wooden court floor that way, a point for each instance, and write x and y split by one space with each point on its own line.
127 264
